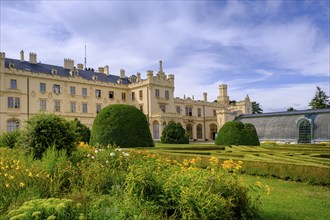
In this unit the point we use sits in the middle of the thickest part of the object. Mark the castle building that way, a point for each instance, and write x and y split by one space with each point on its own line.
29 87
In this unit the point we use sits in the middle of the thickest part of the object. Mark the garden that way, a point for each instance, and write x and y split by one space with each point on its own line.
48 171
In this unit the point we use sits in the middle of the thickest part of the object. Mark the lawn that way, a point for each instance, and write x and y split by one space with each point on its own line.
292 200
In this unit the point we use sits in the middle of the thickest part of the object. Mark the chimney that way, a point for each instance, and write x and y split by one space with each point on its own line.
68 64
150 74
122 73
106 70
205 96
80 66
22 56
101 69
160 66
138 76
33 58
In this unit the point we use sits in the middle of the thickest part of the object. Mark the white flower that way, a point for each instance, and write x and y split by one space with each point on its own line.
112 154
93 157
96 151
88 155
125 154
107 161
119 149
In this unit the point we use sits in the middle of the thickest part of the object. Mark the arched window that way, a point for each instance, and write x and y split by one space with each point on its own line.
304 129
155 126
189 130
199 131
12 125
213 131
164 123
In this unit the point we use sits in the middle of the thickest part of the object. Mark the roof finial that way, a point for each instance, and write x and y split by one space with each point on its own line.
85 55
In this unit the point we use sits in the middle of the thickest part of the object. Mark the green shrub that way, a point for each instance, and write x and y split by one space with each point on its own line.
237 133
10 139
82 131
51 208
174 133
121 125
44 131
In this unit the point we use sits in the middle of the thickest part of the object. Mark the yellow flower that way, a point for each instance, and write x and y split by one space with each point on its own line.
258 183
11 177
30 174
268 189
7 185
37 175
21 184
6 174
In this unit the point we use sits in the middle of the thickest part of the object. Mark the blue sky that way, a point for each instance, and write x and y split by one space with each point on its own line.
275 51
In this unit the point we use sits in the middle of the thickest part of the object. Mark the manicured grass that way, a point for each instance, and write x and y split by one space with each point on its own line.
292 200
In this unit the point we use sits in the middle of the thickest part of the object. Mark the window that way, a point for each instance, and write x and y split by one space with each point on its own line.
189 130
214 112
157 93
188 111
141 108
178 109
98 108
14 102
199 131
13 84
98 93
155 128
42 87
304 129
111 94
57 89
84 107
162 107
57 106
72 90
12 125
123 96
133 96
167 94
141 94
199 112
72 107
84 92
43 105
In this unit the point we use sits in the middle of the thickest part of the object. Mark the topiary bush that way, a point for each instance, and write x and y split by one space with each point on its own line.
237 133
121 125
82 131
174 133
45 131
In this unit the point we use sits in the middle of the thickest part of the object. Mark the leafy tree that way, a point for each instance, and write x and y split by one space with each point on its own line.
320 99
291 109
174 133
121 125
256 108
44 131
82 131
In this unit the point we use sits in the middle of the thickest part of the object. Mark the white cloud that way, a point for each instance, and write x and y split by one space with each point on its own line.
204 44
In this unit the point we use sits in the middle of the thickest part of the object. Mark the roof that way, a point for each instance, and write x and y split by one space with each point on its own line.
298 112
61 71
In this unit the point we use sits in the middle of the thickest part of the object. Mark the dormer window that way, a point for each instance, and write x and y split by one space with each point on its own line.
94 77
119 81
74 72
54 71
11 64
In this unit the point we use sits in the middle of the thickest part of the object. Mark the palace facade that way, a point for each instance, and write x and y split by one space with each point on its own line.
29 87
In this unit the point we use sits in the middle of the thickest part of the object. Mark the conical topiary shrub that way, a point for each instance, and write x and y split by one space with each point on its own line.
121 125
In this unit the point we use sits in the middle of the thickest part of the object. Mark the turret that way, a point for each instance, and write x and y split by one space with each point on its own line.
223 98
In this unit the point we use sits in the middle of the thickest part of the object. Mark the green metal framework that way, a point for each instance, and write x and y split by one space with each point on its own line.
305 131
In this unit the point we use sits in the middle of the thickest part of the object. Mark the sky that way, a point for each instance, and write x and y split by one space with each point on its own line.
275 51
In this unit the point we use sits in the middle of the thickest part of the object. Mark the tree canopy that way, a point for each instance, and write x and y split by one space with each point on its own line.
320 100
256 108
